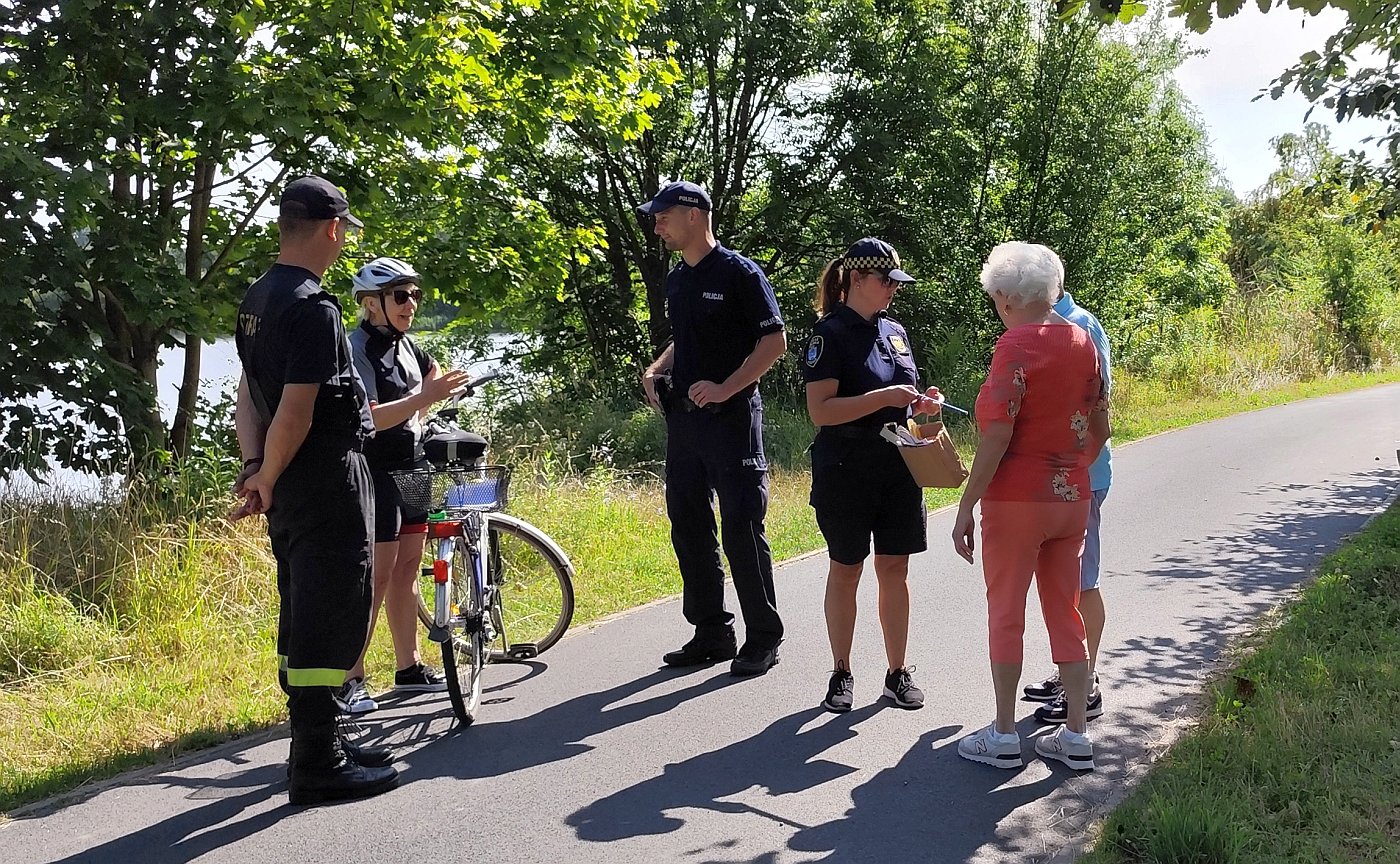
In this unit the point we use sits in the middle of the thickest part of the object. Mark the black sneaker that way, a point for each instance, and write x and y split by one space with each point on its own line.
1046 691
840 692
1058 711
899 686
419 679
754 660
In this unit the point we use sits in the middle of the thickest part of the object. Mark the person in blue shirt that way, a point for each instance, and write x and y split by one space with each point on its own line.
726 333
860 374
1091 605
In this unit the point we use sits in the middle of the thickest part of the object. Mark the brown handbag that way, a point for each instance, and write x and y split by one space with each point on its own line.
933 461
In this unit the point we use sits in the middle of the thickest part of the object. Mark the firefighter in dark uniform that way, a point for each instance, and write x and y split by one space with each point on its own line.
302 419
860 375
726 333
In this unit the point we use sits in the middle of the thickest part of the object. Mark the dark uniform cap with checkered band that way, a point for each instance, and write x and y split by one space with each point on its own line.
875 254
681 193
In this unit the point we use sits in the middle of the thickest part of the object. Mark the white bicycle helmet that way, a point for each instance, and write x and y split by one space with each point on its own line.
383 274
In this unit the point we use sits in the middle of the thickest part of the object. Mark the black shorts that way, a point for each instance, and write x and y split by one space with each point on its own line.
391 518
862 489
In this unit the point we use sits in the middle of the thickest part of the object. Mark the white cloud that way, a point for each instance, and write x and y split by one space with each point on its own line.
1244 55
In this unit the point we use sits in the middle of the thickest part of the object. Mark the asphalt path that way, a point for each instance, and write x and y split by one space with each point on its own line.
595 754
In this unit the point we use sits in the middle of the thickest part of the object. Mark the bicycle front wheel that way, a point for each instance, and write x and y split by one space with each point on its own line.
533 601
464 654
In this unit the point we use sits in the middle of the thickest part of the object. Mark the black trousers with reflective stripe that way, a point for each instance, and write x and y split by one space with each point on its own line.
321 528
721 453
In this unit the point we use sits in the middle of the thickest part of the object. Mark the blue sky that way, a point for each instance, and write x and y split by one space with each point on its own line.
1244 54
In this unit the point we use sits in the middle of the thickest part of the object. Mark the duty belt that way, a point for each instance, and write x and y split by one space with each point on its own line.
672 401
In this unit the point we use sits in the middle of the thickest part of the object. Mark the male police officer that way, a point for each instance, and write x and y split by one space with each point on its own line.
301 420
726 332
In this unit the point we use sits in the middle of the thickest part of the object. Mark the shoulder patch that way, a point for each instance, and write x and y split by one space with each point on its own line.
814 350
898 344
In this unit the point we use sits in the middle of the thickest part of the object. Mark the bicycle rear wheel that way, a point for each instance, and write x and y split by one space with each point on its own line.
464 655
533 603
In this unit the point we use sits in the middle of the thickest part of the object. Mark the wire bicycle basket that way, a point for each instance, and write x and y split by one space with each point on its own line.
482 488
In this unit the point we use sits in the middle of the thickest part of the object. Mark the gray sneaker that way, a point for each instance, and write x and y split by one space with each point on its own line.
899 686
840 693
354 698
1078 755
990 748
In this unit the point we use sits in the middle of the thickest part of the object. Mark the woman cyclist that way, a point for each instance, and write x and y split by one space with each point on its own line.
402 382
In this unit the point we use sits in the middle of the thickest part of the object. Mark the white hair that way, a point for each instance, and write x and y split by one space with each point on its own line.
1024 273
364 308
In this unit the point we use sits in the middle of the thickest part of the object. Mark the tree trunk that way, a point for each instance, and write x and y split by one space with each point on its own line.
183 424
139 406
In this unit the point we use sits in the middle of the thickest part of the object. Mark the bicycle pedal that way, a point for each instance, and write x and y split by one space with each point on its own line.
439 635
523 651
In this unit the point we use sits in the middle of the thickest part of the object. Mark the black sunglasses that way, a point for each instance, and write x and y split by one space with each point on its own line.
403 295
885 280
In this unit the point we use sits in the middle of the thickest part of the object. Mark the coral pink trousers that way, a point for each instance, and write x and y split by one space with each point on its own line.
1021 539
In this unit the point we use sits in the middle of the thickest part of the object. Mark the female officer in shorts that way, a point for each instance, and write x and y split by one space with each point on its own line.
860 374
402 383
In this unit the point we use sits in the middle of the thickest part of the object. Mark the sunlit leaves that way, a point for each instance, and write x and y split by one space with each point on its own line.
120 101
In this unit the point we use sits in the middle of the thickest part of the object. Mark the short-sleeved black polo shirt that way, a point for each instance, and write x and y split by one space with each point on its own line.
290 332
718 310
862 356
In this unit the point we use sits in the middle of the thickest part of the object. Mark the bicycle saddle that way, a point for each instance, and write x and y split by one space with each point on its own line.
445 444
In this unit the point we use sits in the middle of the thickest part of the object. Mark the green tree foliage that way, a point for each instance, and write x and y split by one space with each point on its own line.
946 127
139 143
1309 234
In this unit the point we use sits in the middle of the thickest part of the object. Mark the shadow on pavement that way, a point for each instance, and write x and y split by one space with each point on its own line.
185 836
555 734
933 806
1240 575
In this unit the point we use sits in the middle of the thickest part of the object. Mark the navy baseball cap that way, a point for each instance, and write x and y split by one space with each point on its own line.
315 198
875 254
680 193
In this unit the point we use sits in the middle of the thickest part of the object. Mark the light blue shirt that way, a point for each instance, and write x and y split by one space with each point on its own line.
1101 472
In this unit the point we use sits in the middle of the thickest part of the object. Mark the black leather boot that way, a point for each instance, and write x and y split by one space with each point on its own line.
368 755
321 771
710 645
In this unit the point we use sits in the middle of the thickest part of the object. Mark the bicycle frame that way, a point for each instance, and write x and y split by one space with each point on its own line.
448 533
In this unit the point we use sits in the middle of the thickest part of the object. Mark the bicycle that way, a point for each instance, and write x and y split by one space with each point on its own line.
510 597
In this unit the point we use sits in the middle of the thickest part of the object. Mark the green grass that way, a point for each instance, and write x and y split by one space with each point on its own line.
1297 756
127 637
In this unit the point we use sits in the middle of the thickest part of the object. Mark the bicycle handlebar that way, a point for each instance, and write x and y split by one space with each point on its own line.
468 390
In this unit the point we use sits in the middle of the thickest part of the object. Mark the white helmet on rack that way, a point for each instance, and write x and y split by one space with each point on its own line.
383 274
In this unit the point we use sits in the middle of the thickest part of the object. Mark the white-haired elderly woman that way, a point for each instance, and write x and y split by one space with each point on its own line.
1042 418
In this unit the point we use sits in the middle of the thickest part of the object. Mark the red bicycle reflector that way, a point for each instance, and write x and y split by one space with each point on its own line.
444 530
440 571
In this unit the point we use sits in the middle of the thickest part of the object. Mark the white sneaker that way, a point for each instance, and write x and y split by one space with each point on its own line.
354 698
991 747
1071 748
